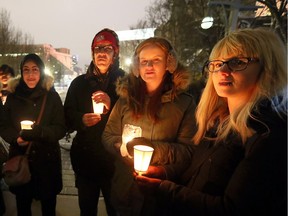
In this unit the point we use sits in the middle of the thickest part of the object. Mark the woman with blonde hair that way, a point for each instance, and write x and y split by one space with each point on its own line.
240 165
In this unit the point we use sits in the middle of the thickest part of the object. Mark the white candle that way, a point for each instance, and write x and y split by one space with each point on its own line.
98 107
129 132
26 125
142 158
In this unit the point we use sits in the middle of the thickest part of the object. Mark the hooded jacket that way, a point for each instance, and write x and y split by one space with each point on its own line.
45 156
175 129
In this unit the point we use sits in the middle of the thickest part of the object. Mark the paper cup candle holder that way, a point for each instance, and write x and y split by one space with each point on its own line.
129 132
26 125
97 107
142 158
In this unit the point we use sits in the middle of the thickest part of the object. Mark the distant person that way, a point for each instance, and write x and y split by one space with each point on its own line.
240 164
153 96
3 158
92 164
24 103
6 73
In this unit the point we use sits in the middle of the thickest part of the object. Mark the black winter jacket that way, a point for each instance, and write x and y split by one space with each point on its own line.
227 179
45 155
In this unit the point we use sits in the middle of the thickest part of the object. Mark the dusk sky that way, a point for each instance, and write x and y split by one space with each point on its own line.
72 24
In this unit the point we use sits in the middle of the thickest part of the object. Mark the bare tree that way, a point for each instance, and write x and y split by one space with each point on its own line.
13 42
180 21
278 10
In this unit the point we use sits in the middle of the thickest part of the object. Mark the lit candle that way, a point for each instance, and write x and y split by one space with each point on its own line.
129 132
97 107
26 125
142 158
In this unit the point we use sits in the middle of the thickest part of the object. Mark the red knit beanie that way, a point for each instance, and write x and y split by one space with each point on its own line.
106 36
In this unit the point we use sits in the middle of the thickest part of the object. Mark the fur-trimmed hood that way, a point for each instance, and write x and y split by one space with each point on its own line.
47 83
181 79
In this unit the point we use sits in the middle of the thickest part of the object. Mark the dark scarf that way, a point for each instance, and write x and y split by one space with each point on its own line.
99 81
22 90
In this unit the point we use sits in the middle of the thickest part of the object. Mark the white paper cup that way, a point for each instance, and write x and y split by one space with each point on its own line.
142 158
97 107
26 125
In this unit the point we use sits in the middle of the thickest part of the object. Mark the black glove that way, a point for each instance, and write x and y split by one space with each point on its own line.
137 141
147 185
35 134
156 172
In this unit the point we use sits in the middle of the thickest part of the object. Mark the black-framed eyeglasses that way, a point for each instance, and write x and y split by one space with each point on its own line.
234 64
103 49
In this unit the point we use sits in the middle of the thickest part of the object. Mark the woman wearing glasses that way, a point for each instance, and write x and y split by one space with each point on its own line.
240 167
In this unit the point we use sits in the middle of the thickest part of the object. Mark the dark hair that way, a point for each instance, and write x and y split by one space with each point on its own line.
37 60
6 69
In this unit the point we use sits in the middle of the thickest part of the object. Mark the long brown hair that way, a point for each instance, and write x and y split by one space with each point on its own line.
137 86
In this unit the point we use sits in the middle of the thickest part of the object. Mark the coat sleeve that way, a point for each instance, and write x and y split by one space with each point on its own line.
8 132
112 133
181 150
53 120
73 116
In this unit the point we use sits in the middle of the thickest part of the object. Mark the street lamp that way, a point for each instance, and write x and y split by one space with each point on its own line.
234 7
207 22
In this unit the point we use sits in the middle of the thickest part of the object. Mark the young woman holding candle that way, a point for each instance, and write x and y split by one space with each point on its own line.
24 103
240 165
153 96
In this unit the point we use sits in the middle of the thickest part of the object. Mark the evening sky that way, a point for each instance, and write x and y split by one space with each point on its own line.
72 24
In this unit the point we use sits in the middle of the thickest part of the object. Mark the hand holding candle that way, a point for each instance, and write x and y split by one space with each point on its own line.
97 107
129 132
100 100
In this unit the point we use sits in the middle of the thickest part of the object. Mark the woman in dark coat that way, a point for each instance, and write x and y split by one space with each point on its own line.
240 165
24 103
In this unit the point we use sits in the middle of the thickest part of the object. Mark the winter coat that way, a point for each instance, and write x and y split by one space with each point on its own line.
45 155
227 180
175 129
88 156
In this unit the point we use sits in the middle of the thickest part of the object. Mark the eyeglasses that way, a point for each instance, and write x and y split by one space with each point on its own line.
234 64
103 49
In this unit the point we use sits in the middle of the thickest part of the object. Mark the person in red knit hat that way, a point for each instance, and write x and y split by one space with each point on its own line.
92 164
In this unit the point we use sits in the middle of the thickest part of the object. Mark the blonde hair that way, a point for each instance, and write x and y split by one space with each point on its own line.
259 43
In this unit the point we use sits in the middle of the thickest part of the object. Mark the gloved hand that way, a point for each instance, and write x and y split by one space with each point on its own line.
137 141
35 134
156 172
147 185
117 147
